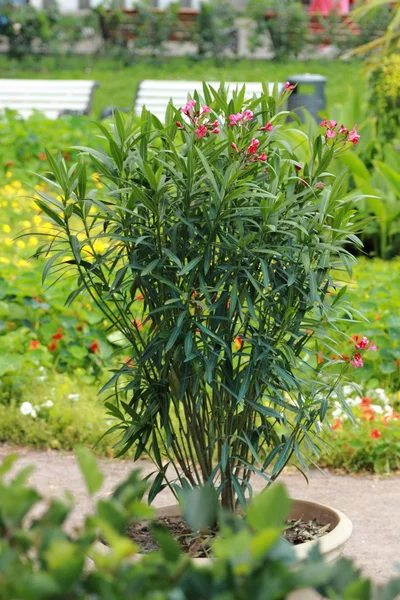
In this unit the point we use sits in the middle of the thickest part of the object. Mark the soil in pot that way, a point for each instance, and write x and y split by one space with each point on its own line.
198 544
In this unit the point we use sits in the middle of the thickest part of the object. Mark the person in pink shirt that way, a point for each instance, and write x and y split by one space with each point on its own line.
326 7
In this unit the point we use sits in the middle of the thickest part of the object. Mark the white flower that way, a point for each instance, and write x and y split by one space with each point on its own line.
73 396
348 390
353 401
377 408
380 394
26 408
388 411
48 404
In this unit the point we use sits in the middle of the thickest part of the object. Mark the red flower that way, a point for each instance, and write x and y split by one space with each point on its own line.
238 341
337 424
138 324
33 344
94 347
320 358
9 164
365 402
139 297
42 156
57 336
52 346
368 414
129 362
375 434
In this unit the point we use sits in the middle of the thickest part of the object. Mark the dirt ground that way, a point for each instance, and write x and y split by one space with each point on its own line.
371 502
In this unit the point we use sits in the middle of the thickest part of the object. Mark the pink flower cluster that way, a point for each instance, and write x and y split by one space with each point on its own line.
344 135
363 344
202 129
240 118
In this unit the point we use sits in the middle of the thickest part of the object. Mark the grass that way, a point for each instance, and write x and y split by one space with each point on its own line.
118 83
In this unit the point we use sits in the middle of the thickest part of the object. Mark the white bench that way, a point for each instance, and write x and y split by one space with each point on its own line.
52 97
156 94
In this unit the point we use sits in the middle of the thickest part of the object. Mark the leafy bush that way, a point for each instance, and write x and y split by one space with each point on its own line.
286 25
39 560
385 96
23 25
215 29
232 251
373 169
373 291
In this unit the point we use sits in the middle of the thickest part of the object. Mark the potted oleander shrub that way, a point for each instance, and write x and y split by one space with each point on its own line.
224 227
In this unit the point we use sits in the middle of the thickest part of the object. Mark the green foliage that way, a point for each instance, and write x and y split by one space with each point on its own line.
38 560
285 22
152 29
215 29
373 291
373 169
386 44
233 258
385 96
22 25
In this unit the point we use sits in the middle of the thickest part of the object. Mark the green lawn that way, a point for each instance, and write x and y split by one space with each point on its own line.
118 83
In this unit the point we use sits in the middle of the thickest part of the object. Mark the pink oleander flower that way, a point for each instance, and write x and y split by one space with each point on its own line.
362 344
343 129
215 130
330 133
288 86
357 361
179 124
205 109
252 149
233 145
247 115
373 347
354 136
332 124
267 127
233 119
188 107
324 123
263 157
201 131
319 186
215 123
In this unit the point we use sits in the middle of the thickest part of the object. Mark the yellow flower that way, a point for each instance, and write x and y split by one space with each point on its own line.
8 174
36 219
21 244
16 184
99 186
6 229
26 224
95 177
8 241
23 263
33 241
4 260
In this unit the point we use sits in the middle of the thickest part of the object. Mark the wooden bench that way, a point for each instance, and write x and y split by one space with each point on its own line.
156 94
52 97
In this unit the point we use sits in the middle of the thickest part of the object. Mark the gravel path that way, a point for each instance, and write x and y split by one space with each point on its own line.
371 502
